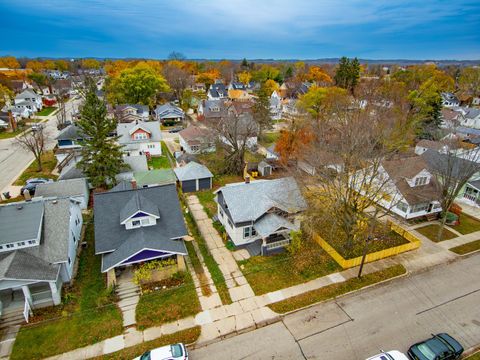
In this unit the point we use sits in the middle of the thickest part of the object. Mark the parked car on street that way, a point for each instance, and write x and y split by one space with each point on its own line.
37 127
389 355
31 184
438 347
169 352
175 130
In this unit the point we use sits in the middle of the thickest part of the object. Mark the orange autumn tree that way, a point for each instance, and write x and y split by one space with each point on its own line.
318 75
293 142
9 62
35 65
208 77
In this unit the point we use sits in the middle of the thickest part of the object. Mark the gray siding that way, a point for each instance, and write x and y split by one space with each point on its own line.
204 184
189 186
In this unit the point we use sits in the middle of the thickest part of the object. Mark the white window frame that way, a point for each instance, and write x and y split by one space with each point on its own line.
422 180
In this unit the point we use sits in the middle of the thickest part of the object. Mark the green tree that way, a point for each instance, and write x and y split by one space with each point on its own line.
261 110
102 157
38 78
137 85
469 81
267 72
348 73
319 99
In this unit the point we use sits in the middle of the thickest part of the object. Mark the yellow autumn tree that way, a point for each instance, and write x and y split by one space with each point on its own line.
9 62
244 77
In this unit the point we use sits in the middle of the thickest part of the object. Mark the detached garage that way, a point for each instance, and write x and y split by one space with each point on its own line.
193 177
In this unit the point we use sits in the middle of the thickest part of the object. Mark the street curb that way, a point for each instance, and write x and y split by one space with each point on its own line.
407 273
472 351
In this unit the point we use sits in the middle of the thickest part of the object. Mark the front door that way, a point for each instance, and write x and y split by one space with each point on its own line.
430 207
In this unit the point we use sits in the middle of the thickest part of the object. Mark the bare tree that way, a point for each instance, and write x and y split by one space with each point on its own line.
236 133
342 164
453 166
178 78
35 142
62 112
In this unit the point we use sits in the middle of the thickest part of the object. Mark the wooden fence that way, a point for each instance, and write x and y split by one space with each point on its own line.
413 243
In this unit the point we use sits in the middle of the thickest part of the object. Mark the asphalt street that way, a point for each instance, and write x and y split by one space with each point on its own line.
390 316
14 159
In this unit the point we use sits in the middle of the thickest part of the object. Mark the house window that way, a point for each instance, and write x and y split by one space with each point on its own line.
221 213
248 232
136 223
69 261
420 181
21 243
9 246
32 242
195 147
1 247
151 146
402 207
145 221
140 136
419 207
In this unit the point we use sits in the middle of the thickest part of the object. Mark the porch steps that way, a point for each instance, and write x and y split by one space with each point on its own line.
11 318
128 294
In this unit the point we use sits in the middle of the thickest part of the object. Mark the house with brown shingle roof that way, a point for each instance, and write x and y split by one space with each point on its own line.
407 188
196 140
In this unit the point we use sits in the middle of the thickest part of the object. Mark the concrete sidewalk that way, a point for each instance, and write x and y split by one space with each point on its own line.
237 285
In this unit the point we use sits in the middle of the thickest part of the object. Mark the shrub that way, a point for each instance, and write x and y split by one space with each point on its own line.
144 271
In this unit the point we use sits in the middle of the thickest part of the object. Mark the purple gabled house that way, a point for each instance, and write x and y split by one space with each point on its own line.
135 225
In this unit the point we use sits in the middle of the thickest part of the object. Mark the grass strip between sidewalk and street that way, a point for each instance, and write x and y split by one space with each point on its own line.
466 248
210 262
334 290
187 336
49 161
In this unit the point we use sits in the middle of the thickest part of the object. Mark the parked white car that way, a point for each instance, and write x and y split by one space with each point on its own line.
389 355
169 352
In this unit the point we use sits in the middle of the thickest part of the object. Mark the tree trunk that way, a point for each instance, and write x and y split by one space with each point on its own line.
38 159
443 220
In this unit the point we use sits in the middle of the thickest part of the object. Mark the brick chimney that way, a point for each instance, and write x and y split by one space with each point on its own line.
133 182
247 179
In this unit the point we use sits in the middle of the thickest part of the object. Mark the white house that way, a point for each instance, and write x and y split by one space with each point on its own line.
449 99
217 91
38 256
196 140
470 118
405 187
263 212
129 112
423 145
140 137
276 106
28 100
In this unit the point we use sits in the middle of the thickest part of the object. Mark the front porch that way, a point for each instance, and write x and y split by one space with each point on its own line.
270 245
30 297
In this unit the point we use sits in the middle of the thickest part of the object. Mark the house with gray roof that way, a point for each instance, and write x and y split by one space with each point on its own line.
470 118
194 177
76 189
169 113
140 137
211 110
134 225
28 100
217 91
38 246
260 214
131 112
449 99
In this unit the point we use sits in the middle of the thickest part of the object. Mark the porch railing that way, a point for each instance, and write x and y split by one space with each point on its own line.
277 244
26 310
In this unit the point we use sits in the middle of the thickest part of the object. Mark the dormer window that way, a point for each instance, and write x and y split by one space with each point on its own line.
140 136
419 181
136 223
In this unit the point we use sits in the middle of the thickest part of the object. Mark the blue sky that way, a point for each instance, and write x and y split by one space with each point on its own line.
281 29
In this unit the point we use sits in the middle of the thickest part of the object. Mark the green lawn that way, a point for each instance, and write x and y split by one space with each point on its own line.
159 162
206 198
467 224
9 135
275 272
186 336
475 356
197 266
334 290
49 161
210 263
466 248
46 111
167 305
431 232
269 138
87 315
